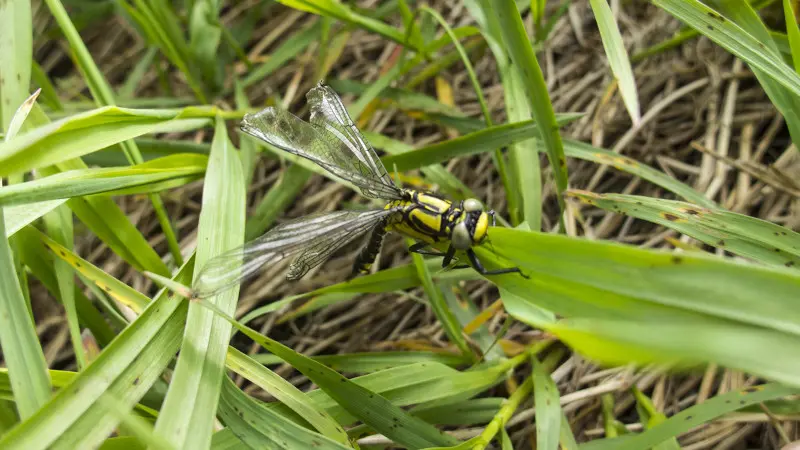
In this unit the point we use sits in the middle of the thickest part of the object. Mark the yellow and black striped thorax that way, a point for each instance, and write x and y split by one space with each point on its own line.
429 218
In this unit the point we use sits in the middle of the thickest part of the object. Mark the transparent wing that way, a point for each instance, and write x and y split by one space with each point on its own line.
286 131
330 116
312 238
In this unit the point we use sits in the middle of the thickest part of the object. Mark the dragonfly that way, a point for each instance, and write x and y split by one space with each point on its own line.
331 140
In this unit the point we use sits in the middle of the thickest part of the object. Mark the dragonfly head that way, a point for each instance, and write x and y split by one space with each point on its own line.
472 226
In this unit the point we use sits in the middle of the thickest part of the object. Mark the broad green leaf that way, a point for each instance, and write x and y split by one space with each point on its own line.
125 370
765 352
582 278
187 416
617 56
152 176
737 233
88 132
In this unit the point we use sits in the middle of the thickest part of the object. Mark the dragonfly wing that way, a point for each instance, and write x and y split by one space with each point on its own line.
287 132
312 238
329 115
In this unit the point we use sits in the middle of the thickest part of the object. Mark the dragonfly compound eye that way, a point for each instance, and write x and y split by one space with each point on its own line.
461 238
472 204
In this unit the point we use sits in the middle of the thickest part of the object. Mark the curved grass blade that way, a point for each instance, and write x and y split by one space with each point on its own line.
85 133
522 55
439 305
547 404
738 29
16 55
125 370
261 427
152 176
477 142
287 394
22 351
373 361
737 233
373 409
187 416
617 57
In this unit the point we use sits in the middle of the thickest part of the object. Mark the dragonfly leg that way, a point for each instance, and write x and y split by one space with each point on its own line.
448 257
419 248
482 270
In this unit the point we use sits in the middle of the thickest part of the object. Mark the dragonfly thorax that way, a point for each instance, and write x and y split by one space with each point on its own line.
429 218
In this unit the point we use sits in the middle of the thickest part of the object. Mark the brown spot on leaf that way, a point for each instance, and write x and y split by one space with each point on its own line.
676 259
670 217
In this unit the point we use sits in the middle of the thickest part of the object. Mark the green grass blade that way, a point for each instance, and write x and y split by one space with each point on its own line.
523 157
547 404
248 150
104 96
439 306
16 217
480 141
87 132
373 409
49 95
16 55
340 11
21 350
577 149
39 260
152 176
287 394
522 55
617 57
287 50
111 225
187 416
373 361
59 226
125 370
649 416
703 413
743 34
737 233
792 33
261 427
